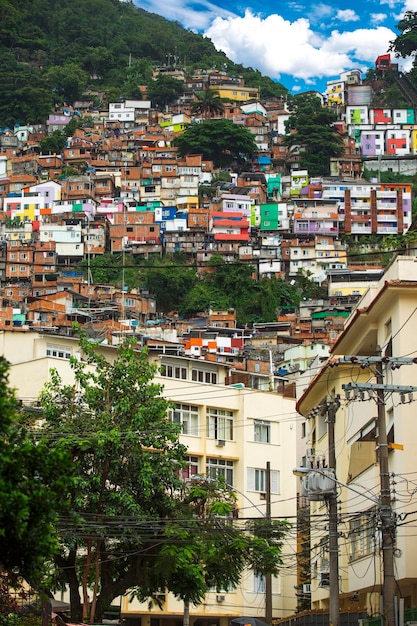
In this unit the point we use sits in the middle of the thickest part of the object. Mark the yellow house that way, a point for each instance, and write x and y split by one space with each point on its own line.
234 93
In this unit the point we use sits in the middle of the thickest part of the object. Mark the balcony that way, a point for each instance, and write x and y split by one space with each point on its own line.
386 217
387 230
361 219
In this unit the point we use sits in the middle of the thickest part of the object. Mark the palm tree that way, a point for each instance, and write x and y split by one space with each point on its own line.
208 104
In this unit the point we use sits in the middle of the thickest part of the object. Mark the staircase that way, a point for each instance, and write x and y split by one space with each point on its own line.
407 89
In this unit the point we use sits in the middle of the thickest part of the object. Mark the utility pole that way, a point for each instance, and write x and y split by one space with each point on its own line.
388 524
320 484
386 512
268 578
334 608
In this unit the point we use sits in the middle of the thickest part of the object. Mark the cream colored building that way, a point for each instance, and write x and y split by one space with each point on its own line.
231 431
385 320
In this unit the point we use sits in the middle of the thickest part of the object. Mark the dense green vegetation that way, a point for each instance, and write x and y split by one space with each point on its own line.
221 141
33 479
52 52
405 44
126 530
310 129
180 286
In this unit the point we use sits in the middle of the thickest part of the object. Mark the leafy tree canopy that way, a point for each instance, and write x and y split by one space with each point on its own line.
208 103
178 285
211 552
102 44
405 44
164 90
220 141
125 453
125 529
34 480
67 82
310 127
55 142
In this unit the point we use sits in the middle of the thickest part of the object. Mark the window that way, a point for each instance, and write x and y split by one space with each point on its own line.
361 534
61 352
204 376
262 431
192 467
220 468
187 416
259 582
257 480
171 371
219 424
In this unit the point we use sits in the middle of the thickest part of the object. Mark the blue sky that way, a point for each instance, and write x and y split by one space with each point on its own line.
301 44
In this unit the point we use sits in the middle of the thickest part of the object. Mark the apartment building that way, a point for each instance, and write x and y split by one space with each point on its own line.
370 208
379 328
230 431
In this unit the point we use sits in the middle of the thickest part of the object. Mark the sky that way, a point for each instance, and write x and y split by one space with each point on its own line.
298 43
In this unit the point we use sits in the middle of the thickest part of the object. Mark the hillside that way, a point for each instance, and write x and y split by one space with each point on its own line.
100 44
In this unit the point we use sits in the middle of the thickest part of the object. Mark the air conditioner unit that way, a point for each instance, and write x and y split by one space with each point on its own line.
324 579
220 598
307 588
221 443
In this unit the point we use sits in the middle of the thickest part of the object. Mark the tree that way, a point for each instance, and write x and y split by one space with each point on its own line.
213 549
220 141
164 90
67 81
169 283
24 96
208 103
306 287
55 142
125 453
310 126
34 480
405 44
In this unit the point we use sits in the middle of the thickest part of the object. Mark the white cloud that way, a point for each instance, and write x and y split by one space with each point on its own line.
391 3
188 14
304 48
347 15
377 18
363 44
277 46
319 12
